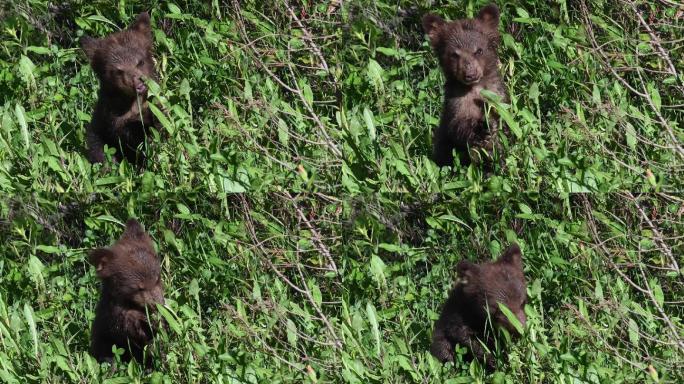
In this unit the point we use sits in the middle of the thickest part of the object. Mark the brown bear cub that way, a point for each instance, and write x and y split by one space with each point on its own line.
473 303
467 53
121 61
131 286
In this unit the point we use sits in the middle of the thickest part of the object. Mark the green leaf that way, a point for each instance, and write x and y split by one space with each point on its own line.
161 117
633 330
291 333
511 318
30 320
375 329
657 292
375 73
35 268
387 51
64 366
534 93
655 95
118 380
377 268
21 119
229 185
306 91
316 293
596 95
455 220
173 8
368 118
524 208
630 136
405 364
194 289
502 109
170 318
283 134
103 19
109 180
48 249
183 209
27 70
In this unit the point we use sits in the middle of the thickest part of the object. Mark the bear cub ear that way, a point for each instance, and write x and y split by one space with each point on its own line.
142 24
489 16
100 259
466 271
512 255
134 230
90 46
432 25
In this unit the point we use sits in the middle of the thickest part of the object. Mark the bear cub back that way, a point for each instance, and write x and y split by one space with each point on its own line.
473 302
121 119
130 272
467 53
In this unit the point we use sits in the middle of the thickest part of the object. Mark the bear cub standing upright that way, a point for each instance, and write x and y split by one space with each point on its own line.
131 286
467 53
121 61
474 299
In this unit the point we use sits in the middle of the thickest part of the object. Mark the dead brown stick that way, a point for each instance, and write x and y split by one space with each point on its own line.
304 291
307 36
658 237
316 235
647 291
655 41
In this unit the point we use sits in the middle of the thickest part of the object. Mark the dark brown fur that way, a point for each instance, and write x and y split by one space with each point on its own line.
467 52
131 286
121 62
474 300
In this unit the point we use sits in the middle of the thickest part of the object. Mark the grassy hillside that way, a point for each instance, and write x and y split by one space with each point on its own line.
305 234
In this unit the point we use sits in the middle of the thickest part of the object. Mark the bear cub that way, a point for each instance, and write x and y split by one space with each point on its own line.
474 301
130 272
467 53
121 62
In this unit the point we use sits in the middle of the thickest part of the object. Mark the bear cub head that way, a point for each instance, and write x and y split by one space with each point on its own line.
130 270
484 286
123 60
467 48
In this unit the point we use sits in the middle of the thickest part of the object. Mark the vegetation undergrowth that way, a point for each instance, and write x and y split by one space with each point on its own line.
305 234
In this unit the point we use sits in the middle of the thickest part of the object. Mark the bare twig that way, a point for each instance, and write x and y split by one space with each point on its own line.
644 94
295 89
316 235
655 41
307 36
661 119
658 237
605 60
304 289
675 332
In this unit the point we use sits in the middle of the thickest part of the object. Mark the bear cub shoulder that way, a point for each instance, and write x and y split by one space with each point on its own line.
474 301
130 272
467 53
121 119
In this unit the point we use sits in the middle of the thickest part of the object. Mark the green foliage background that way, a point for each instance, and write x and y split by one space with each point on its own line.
305 234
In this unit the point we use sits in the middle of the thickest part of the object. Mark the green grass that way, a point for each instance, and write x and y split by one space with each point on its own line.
305 234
